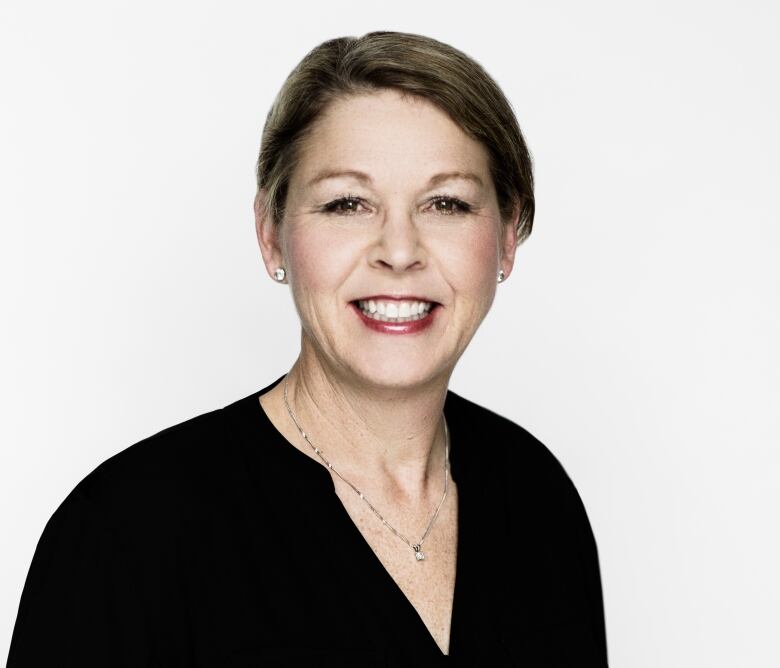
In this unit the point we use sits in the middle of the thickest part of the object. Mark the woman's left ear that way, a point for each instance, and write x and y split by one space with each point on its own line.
508 241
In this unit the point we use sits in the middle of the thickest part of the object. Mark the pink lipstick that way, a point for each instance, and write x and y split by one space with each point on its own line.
394 326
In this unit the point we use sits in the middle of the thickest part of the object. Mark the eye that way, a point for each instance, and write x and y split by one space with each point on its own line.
343 206
442 204
449 206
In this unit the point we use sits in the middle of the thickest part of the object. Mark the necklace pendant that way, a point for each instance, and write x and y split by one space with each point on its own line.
418 553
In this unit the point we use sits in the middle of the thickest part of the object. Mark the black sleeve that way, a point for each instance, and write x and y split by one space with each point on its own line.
80 605
565 586
581 640
591 574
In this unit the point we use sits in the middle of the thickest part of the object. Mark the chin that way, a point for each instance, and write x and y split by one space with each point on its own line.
390 376
395 372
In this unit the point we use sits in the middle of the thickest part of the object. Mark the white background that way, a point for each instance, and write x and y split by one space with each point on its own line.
637 338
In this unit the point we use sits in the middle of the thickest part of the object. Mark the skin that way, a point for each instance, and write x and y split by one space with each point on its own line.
377 399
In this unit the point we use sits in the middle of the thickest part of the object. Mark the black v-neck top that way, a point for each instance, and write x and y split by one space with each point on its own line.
216 542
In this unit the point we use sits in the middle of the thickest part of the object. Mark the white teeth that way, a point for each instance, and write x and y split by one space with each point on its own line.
395 311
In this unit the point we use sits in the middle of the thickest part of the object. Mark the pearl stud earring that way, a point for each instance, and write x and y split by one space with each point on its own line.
279 274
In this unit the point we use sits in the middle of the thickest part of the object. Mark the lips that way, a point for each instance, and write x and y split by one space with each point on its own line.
395 317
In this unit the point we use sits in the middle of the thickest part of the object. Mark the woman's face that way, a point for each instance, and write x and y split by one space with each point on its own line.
391 204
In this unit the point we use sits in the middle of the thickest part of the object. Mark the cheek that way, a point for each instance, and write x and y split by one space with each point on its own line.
319 259
473 262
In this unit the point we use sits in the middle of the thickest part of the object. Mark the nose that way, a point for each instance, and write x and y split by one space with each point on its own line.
398 245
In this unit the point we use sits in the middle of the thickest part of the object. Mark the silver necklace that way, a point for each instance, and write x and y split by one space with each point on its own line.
417 547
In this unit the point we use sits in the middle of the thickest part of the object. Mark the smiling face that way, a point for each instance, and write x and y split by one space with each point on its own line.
389 199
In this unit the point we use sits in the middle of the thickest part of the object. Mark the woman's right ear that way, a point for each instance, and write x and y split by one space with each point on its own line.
267 234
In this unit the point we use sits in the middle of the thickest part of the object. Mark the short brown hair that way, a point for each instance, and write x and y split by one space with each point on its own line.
411 64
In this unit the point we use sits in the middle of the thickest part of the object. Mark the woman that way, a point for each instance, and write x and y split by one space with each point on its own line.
355 510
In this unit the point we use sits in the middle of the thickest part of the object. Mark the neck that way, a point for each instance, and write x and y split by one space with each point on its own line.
391 438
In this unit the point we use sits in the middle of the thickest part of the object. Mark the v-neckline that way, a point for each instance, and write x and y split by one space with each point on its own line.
350 531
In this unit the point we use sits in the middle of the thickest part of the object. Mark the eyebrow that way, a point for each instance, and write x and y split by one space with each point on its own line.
365 178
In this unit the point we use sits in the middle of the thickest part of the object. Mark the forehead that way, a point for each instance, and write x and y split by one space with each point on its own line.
389 136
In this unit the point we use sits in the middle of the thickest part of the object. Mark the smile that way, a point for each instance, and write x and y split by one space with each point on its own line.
394 311
396 316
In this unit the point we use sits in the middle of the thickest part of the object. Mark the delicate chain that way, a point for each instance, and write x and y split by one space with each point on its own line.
416 547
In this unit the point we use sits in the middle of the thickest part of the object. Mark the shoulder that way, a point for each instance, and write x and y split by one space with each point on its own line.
166 455
515 459
531 498
159 478
498 438
123 536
